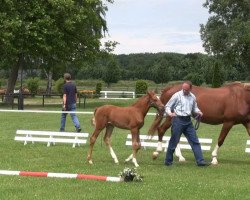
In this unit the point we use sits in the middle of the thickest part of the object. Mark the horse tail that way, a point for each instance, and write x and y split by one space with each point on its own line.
155 125
93 122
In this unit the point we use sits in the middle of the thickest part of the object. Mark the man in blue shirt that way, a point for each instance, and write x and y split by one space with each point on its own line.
181 107
69 103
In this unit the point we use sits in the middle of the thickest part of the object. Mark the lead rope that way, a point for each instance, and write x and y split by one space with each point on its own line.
197 123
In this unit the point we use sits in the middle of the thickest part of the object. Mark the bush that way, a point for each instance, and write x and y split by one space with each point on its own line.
98 88
218 78
33 85
59 85
141 87
195 78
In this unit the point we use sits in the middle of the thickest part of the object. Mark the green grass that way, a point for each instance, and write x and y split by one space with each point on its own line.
228 180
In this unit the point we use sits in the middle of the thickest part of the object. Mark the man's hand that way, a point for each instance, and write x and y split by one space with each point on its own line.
172 114
200 114
64 107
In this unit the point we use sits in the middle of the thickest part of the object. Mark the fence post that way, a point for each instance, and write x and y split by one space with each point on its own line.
20 100
79 100
84 102
43 100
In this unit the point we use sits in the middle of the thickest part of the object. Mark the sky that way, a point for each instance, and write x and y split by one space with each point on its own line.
151 26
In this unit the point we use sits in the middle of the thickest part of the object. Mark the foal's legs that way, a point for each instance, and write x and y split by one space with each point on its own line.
136 145
107 140
91 145
223 134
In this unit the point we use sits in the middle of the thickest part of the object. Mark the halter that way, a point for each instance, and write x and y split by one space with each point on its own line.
153 104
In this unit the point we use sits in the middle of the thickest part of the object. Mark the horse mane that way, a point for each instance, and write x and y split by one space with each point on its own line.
168 87
247 86
142 97
235 83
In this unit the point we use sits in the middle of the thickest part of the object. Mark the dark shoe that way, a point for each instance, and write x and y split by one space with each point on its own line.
203 164
62 130
78 130
168 164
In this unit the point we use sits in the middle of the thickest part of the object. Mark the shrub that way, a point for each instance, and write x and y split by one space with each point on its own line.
59 85
33 85
195 78
218 78
98 88
141 87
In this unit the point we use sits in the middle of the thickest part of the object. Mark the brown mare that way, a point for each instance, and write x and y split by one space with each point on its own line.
131 118
228 105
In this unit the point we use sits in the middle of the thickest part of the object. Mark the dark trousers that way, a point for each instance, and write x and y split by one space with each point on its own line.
183 125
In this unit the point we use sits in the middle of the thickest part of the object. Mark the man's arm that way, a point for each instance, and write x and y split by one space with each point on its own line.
196 109
64 101
169 106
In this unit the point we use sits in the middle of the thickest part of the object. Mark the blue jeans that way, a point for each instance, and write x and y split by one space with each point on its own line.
73 118
186 127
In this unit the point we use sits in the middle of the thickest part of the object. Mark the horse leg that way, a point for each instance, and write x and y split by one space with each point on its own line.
179 154
224 131
136 145
107 140
161 131
247 126
129 158
91 144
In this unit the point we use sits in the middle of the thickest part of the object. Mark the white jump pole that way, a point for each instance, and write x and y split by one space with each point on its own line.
61 175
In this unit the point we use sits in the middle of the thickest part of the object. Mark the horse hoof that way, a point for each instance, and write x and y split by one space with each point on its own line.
155 155
91 162
214 161
136 165
182 159
159 149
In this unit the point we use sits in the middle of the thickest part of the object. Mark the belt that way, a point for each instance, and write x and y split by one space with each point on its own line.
184 117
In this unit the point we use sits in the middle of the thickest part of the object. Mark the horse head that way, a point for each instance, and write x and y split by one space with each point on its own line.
155 102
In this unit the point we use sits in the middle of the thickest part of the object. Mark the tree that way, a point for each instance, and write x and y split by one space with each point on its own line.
218 78
53 31
226 34
160 72
112 71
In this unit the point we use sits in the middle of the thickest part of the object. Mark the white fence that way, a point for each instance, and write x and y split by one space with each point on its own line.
248 147
117 95
147 141
51 137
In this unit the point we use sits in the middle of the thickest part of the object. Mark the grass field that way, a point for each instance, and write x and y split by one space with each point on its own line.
228 180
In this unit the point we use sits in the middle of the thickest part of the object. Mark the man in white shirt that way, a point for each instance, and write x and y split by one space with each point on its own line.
181 107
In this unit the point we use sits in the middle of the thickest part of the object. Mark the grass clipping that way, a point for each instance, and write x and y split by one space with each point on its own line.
129 175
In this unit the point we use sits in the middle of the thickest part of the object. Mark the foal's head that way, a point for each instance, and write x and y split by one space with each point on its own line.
156 102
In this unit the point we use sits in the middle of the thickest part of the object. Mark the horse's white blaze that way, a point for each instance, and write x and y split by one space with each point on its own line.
113 155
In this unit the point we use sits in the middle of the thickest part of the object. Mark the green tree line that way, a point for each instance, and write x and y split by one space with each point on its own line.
48 38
